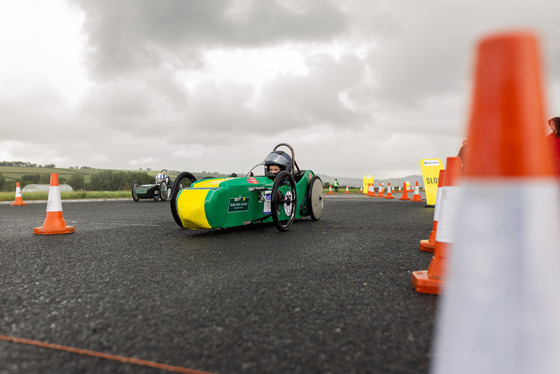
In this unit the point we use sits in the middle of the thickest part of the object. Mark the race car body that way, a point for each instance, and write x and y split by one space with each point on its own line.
230 202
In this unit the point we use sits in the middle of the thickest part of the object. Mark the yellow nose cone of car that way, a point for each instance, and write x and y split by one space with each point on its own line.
191 209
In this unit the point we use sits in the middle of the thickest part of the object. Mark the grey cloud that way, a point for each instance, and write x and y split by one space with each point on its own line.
223 111
126 34
314 99
138 102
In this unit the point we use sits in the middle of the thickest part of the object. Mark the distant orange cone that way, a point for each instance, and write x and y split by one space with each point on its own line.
18 201
380 194
54 222
416 196
361 189
431 280
330 190
389 192
501 305
405 193
430 244
347 190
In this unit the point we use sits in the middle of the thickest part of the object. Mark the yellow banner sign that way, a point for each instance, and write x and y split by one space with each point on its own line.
430 174
367 180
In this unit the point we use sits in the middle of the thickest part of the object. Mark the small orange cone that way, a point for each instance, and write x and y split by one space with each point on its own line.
361 189
389 194
416 196
431 280
54 223
405 193
380 194
347 190
499 313
430 244
18 201
330 190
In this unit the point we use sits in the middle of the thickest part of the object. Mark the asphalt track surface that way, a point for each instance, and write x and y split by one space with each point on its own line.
332 296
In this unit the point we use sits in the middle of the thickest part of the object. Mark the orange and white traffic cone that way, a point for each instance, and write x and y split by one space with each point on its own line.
54 222
18 201
499 313
416 196
380 194
372 190
361 189
431 280
389 194
347 190
430 244
405 193
330 190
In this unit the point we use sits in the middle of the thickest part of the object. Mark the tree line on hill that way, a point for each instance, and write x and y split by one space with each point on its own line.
103 181
22 164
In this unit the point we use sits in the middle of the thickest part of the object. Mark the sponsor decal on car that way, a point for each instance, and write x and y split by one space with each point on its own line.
238 204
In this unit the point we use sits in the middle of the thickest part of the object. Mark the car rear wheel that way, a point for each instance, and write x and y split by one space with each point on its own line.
284 201
315 198
134 188
185 179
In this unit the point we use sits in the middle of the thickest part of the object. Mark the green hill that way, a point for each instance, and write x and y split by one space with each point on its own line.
120 179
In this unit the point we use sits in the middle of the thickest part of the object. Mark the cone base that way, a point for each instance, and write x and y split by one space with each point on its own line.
389 197
54 231
417 198
54 224
427 246
18 204
404 198
423 284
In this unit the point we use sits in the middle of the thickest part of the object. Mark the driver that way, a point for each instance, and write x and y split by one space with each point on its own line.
162 176
275 162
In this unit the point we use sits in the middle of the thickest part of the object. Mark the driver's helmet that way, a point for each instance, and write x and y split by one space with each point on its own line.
280 158
161 176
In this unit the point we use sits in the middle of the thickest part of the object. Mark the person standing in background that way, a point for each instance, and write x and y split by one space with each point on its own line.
463 152
554 139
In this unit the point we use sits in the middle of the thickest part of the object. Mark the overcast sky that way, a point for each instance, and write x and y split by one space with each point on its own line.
355 86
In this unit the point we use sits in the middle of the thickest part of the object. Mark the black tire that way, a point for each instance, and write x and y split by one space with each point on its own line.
163 191
315 198
185 179
284 201
134 187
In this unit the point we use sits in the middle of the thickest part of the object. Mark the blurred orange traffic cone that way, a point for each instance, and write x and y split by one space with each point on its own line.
347 189
361 189
405 193
431 280
416 196
501 305
18 201
389 194
54 222
430 244
380 194
330 190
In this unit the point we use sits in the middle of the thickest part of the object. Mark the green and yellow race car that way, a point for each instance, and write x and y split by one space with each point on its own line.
283 194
